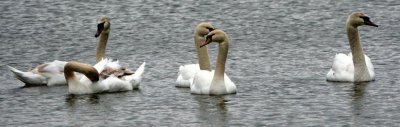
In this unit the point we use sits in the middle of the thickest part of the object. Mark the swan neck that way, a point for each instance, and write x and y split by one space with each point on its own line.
202 53
360 68
101 46
89 71
221 60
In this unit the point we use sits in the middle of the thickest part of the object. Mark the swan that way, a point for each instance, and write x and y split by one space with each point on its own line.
186 72
214 82
51 73
356 66
105 76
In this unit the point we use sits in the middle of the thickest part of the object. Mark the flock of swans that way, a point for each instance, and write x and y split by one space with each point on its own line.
108 75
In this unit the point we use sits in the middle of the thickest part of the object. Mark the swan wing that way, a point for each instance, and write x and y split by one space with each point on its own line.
230 86
186 72
201 82
51 67
136 78
370 67
342 68
53 71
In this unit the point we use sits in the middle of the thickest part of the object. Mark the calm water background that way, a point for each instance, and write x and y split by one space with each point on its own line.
279 55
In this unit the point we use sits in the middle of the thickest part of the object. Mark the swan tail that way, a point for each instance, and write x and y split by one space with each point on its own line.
180 69
136 78
180 81
140 70
29 78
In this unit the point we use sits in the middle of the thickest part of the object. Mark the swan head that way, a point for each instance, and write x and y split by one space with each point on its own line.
216 35
204 28
103 26
358 19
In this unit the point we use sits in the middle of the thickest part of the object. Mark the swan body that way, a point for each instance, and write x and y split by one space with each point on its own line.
355 67
214 82
343 68
50 74
201 83
186 72
95 81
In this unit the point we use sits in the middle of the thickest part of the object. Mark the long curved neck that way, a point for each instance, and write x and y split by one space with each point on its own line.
101 46
218 82
202 53
88 70
360 68
221 60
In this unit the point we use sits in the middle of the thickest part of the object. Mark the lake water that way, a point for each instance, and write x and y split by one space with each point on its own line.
280 52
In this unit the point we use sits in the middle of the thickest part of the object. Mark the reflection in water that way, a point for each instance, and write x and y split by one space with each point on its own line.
358 101
72 99
212 110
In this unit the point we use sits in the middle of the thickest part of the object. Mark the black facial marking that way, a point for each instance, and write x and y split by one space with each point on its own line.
209 36
210 29
365 18
367 21
100 28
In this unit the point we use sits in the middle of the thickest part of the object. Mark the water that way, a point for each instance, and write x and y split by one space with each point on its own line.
279 55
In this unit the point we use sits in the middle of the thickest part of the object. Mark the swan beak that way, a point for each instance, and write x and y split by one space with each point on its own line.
368 22
208 40
100 28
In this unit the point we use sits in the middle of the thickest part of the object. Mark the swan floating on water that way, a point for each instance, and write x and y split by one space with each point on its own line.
105 76
187 72
356 66
52 73
214 82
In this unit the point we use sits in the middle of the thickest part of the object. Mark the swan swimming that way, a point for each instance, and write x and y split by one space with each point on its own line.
214 82
105 76
356 66
186 72
52 73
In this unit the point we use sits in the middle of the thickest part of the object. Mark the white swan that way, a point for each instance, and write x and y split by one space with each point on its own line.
355 67
214 82
52 73
186 72
105 76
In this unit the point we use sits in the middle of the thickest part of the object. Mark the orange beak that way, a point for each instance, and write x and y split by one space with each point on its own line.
208 41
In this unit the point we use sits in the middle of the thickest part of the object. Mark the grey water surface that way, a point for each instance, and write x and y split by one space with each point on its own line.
280 52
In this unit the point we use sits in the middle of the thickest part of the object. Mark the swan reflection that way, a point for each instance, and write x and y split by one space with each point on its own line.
212 110
358 101
72 99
